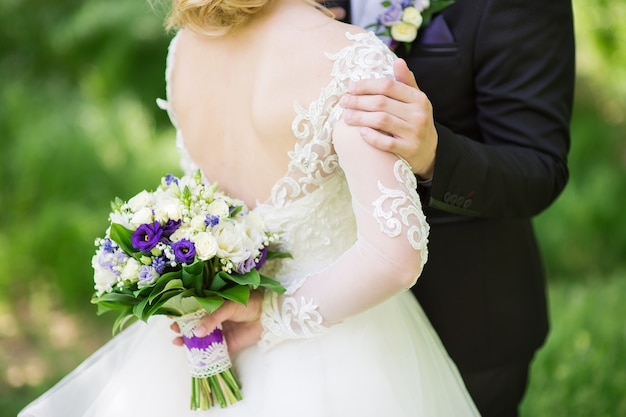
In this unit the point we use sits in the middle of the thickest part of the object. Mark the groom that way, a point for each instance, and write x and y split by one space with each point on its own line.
490 155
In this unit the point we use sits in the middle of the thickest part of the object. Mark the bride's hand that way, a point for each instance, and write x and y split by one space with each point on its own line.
241 324
395 116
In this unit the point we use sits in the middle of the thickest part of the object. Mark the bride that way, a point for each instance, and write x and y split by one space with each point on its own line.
253 90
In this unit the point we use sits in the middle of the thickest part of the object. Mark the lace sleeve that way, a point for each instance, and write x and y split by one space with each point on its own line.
386 259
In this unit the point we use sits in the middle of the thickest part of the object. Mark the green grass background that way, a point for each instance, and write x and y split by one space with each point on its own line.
79 125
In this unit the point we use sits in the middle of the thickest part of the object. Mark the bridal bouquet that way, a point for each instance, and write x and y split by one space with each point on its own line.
182 250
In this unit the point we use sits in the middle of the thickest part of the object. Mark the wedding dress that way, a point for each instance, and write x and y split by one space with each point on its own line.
383 361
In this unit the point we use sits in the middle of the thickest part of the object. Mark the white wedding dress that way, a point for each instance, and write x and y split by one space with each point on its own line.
383 361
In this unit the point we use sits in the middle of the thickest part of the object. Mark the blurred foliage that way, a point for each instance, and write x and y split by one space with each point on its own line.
79 126
580 371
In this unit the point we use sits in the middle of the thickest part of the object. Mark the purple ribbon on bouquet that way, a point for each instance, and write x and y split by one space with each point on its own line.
207 355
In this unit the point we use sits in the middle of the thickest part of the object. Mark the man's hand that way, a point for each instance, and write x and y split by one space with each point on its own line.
241 324
395 116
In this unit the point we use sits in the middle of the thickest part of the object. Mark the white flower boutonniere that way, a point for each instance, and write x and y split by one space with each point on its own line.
402 19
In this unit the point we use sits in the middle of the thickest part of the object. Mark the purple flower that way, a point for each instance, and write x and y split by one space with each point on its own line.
262 258
147 275
108 245
392 15
146 237
245 266
212 220
159 264
169 179
184 251
171 226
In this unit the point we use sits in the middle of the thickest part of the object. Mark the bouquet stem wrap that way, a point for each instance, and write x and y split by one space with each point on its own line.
212 378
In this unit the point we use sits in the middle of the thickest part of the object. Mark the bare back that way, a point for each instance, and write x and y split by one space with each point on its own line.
234 96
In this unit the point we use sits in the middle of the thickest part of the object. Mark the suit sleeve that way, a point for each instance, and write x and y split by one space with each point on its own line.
523 61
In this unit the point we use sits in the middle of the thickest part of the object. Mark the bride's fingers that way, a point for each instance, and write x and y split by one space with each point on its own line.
211 321
175 328
242 335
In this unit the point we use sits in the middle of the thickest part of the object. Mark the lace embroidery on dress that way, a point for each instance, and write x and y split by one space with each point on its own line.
292 319
395 206
311 163
313 160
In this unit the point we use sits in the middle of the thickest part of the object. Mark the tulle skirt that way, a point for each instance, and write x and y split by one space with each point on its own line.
387 361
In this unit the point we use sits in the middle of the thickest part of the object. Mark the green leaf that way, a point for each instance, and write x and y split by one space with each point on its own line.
218 282
435 7
140 309
160 283
278 255
168 311
104 308
210 303
115 297
252 278
272 284
174 285
235 211
123 319
239 294
192 275
123 237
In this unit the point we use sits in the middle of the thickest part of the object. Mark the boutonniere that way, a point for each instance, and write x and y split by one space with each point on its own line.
402 19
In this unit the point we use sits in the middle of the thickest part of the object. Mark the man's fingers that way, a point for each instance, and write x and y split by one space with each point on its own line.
384 120
403 89
403 74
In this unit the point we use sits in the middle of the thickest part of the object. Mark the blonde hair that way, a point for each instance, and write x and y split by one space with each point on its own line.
214 17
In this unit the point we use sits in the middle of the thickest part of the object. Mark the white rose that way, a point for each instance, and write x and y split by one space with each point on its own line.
121 218
189 182
412 16
183 232
219 208
198 223
404 32
143 216
140 201
206 245
103 277
229 238
254 230
131 270
168 210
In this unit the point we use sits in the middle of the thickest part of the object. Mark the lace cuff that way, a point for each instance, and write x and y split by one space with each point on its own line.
287 317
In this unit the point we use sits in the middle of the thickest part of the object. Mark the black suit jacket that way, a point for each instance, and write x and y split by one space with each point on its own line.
500 76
